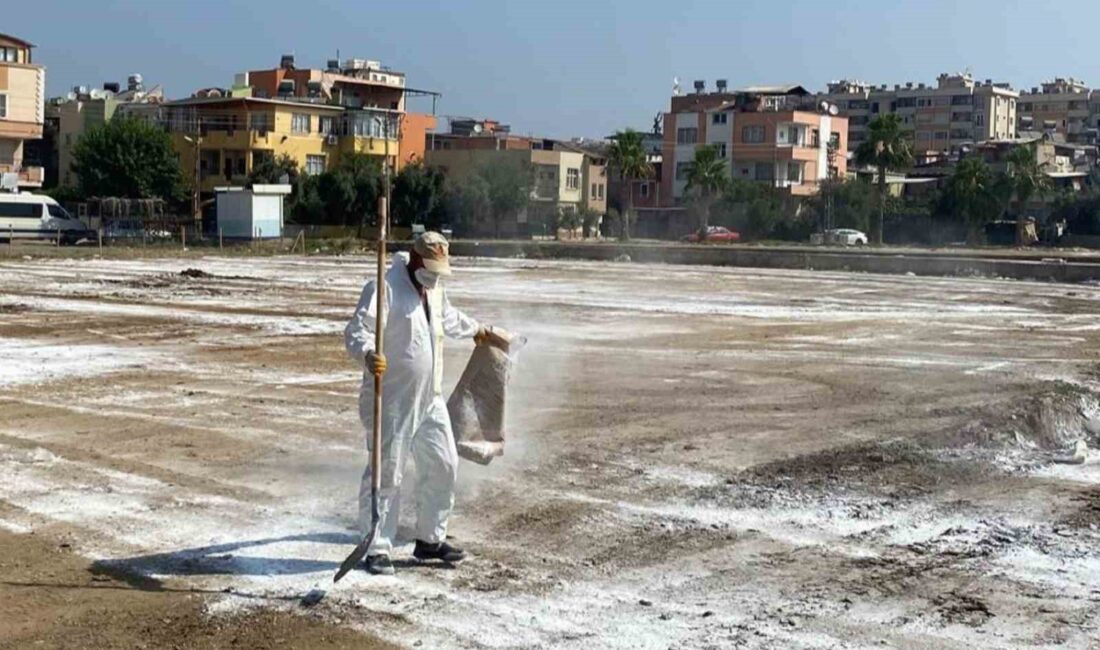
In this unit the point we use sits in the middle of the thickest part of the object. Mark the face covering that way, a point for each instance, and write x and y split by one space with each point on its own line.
426 278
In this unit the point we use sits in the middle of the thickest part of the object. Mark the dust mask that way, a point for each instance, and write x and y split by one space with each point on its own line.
426 278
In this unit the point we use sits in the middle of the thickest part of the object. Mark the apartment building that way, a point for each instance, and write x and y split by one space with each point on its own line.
957 110
22 112
84 109
231 135
769 134
564 177
1058 106
355 84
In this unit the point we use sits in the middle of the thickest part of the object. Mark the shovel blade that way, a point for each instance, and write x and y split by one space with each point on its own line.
357 555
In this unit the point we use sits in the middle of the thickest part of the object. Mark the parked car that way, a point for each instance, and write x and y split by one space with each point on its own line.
717 234
846 237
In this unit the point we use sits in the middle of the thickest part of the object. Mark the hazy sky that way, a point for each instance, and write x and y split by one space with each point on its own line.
562 67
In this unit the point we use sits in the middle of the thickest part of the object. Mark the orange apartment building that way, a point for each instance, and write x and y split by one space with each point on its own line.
22 111
356 85
767 134
1058 106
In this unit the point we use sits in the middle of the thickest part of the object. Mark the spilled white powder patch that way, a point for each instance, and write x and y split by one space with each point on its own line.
30 362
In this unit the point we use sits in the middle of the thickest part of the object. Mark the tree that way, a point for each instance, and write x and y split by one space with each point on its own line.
627 156
886 148
843 203
509 189
127 158
707 176
269 170
363 173
590 221
417 192
466 203
1026 179
569 221
971 193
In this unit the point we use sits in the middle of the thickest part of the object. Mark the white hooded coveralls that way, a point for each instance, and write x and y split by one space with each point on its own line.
414 414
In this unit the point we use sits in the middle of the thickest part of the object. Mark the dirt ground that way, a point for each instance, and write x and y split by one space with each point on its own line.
700 458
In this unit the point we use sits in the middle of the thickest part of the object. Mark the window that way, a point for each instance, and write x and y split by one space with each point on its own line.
58 211
962 100
595 188
941 135
572 178
600 188
682 170
688 135
765 172
20 210
326 125
259 121
644 190
815 138
9 54
315 165
794 173
720 118
942 101
1025 106
752 134
4 106
906 102
299 123
858 120
874 108
857 104
720 149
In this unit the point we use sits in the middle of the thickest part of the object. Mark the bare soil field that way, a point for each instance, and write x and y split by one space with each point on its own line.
699 458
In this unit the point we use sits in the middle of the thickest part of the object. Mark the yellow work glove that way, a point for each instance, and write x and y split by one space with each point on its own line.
376 363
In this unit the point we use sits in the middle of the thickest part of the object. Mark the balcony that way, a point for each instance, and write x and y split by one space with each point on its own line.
29 177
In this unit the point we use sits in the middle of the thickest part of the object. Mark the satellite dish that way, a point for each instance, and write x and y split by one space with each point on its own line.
676 86
833 110
824 107
478 128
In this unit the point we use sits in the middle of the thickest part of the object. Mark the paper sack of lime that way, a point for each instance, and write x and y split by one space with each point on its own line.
477 405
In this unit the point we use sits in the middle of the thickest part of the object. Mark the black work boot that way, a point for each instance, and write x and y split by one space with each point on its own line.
379 565
438 551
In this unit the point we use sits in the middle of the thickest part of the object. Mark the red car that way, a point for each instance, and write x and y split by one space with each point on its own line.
716 234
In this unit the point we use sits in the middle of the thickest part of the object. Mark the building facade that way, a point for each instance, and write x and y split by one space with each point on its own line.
770 135
354 84
564 178
222 139
84 109
22 110
1058 106
957 110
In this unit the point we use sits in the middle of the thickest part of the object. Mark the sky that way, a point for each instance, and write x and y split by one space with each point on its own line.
562 68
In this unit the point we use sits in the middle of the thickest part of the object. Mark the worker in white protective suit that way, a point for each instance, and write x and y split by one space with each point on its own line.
415 422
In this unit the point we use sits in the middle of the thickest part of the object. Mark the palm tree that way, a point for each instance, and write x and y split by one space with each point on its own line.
627 155
1027 179
707 176
972 193
887 147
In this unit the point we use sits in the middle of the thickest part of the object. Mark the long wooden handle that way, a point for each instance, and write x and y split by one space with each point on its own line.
379 327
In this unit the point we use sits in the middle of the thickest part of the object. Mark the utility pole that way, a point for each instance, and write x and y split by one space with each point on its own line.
196 194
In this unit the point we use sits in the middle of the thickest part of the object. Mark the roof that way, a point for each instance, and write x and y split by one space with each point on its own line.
16 40
775 90
203 101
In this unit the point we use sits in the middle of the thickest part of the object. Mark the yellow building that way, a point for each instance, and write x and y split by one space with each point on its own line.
22 109
231 135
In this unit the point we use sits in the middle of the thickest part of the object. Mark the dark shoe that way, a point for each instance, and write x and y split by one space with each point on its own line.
379 565
439 551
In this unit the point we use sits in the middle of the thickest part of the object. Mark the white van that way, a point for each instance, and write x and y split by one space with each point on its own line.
36 216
